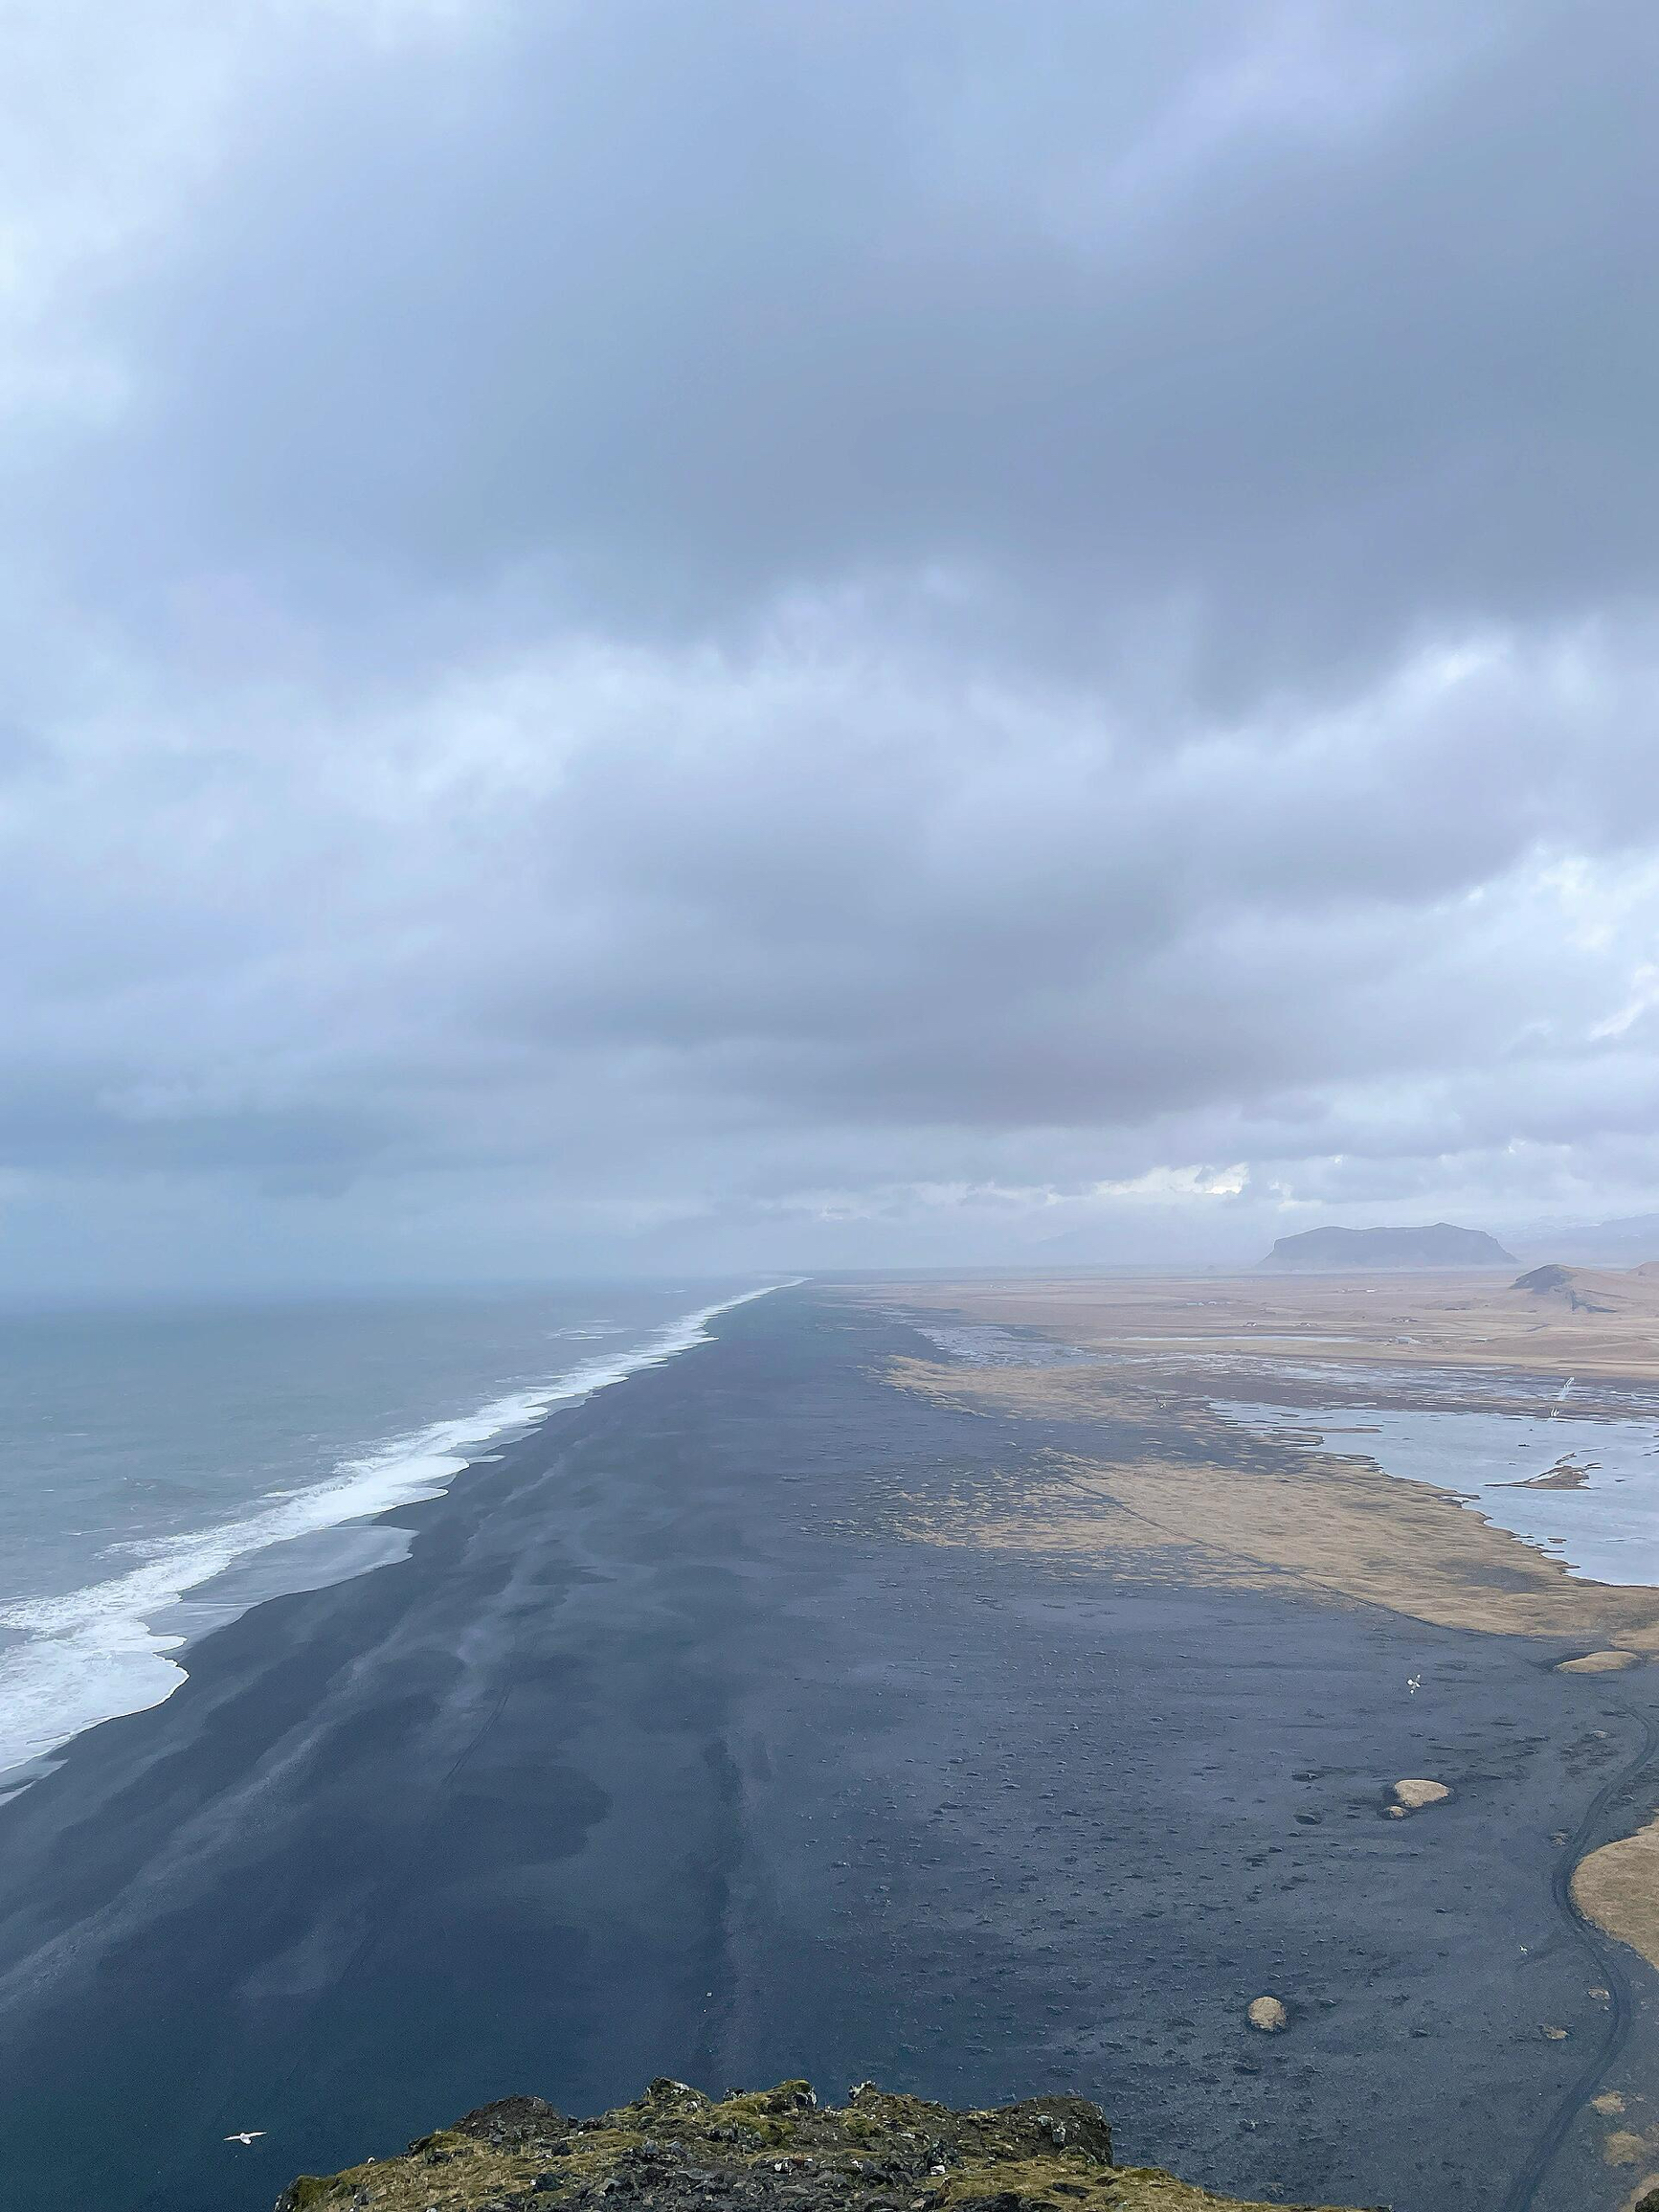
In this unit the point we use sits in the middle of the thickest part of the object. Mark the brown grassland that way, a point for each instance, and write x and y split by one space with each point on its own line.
1596 1323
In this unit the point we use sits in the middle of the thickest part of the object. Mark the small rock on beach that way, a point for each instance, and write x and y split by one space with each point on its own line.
1414 1793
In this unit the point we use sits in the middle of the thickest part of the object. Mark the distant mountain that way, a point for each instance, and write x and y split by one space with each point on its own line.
1634 1236
1345 1251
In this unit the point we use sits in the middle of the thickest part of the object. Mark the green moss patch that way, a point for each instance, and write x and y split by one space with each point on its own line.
675 2150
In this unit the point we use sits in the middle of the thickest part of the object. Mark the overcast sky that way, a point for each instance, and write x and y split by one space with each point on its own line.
816 632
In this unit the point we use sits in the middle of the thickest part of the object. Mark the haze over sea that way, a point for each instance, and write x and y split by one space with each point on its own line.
169 1466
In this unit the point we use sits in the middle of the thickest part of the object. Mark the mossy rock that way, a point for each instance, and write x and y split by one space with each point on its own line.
675 2150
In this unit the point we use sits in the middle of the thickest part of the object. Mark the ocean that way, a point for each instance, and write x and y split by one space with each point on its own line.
167 1467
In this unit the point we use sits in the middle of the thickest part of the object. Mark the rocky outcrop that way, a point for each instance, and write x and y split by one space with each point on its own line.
1585 1289
768 2150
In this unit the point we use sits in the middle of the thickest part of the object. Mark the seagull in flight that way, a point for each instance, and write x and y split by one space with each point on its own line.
1413 1683
246 2135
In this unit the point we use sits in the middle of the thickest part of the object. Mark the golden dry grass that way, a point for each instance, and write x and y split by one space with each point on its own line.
1181 1491
1607 1325
1618 1889
1223 1513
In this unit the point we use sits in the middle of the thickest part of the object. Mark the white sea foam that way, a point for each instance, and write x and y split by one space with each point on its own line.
92 1653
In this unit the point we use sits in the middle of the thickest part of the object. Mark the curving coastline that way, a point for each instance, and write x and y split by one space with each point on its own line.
669 1748
116 1646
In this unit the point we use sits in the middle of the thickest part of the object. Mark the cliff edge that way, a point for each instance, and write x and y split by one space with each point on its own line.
674 2149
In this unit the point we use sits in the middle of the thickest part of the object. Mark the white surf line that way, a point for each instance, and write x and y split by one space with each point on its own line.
90 1654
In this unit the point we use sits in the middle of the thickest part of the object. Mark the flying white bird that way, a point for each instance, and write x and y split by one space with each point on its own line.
1413 1683
247 2135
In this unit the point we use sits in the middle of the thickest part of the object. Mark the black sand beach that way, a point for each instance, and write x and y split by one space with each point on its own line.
665 1753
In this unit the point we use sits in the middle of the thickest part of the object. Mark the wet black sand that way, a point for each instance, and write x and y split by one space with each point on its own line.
662 1752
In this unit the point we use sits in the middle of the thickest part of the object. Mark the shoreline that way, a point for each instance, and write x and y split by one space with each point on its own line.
671 1751
328 1531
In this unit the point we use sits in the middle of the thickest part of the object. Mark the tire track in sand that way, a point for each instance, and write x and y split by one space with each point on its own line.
1608 1956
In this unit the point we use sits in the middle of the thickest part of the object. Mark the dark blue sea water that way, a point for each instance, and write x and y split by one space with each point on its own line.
166 1468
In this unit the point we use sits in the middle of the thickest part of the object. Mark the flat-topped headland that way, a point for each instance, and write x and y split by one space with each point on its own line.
1439 1244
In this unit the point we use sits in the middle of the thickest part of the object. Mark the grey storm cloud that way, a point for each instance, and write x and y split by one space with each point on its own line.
784 629
1287 329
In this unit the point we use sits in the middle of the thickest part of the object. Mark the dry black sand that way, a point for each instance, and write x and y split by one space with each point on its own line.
664 1754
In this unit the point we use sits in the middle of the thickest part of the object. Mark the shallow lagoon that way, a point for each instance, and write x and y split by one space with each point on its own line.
1608 1530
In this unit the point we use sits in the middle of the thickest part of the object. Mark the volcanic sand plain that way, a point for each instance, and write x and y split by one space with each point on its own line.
1145 1472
